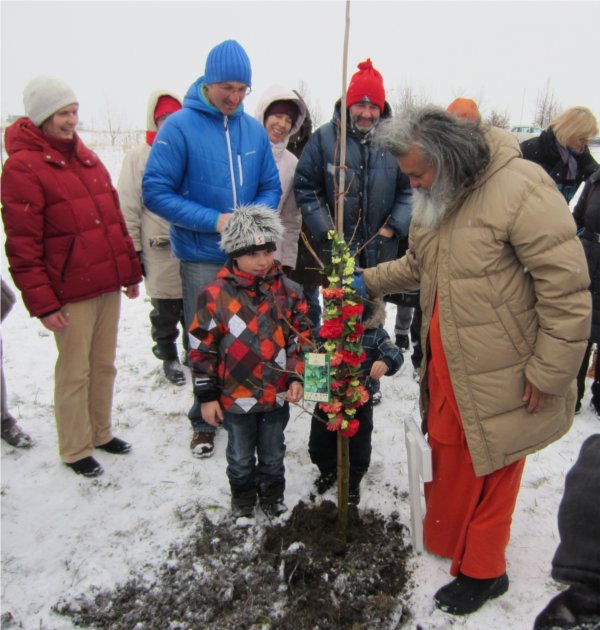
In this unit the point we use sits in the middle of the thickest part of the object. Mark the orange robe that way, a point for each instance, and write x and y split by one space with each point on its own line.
467 518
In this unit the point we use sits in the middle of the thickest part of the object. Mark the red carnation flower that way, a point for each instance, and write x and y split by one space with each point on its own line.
351 310
332 294
352 428
331 329
352 359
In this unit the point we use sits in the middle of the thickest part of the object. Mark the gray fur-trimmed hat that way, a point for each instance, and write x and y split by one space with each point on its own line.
44 96
250 229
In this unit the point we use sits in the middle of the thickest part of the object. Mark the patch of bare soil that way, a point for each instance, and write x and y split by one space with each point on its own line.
293 575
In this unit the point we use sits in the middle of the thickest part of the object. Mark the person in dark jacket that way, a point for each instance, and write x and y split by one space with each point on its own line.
377 207
587 218
69 254
377 203
562 149
383 358
209 158
577 558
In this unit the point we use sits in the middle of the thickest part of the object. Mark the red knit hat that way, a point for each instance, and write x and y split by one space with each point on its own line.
367 82
166 105
464 108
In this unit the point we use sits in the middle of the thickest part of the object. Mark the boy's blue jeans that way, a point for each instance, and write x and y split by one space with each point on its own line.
251 435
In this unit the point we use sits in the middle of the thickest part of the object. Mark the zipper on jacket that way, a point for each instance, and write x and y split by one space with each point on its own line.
239 157
230 155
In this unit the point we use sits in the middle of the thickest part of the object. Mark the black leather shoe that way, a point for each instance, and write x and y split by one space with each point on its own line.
88 467
465 595
116 446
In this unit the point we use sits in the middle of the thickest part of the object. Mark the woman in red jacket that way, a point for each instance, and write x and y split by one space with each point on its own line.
69 254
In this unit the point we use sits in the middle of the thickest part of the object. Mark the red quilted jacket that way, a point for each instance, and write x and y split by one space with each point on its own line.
66 239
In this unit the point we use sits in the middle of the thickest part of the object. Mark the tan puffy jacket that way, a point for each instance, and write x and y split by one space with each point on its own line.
512 285
150 233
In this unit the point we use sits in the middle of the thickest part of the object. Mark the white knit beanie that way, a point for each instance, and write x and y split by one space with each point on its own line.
44 96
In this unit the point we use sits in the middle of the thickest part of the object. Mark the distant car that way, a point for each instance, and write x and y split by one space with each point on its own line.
524 132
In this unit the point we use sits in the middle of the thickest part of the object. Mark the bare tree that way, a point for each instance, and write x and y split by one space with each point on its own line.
314 108
408 98
498 119
546 107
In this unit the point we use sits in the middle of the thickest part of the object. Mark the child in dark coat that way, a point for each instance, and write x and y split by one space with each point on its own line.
251 325
382 358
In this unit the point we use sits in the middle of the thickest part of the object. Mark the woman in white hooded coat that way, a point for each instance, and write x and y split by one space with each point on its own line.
282 113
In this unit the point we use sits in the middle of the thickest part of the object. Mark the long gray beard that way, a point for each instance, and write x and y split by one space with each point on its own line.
428 209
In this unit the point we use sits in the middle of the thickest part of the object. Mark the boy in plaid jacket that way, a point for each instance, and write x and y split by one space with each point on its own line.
251 325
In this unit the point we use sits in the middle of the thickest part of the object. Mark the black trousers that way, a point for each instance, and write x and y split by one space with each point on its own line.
165 317
322 445
577 558
581 380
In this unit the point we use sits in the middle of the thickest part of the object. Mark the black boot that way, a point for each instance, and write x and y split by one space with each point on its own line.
270 498
243 500
325 481
578 607
465 595
402 342
174 372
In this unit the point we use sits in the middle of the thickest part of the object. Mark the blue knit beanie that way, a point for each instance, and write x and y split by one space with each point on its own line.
228 61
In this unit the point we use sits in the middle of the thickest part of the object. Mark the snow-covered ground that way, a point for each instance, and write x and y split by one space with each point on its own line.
61 533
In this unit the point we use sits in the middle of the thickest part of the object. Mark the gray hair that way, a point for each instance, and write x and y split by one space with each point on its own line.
455 147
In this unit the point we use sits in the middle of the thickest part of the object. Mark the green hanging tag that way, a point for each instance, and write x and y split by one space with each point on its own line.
316 377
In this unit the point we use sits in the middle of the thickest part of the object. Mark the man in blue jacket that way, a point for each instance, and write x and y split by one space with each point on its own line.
208 159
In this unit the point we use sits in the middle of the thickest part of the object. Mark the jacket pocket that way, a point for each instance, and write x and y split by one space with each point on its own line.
68 257
513 330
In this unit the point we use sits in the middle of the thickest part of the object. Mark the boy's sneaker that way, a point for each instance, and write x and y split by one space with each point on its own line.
376 397
116 446
203 443
15 436
465 595
174 372
375 391
88 467
325 481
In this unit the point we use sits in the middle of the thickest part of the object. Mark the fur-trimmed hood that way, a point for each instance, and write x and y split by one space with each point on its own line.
280 93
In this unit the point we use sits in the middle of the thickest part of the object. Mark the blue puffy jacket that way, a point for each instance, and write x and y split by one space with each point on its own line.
203 164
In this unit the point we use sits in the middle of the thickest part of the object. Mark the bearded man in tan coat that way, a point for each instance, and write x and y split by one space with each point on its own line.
506 315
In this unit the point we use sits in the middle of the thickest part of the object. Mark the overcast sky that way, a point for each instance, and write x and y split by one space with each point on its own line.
114 54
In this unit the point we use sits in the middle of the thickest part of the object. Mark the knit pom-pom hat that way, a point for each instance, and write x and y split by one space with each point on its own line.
250 229
465 108
366 85
44 96
228 61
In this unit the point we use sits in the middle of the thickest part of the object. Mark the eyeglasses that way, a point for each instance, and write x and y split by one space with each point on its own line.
230 90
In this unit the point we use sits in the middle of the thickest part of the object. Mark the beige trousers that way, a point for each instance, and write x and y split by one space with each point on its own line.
84 375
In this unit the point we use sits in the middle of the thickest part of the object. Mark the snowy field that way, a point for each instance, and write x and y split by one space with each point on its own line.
62 534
